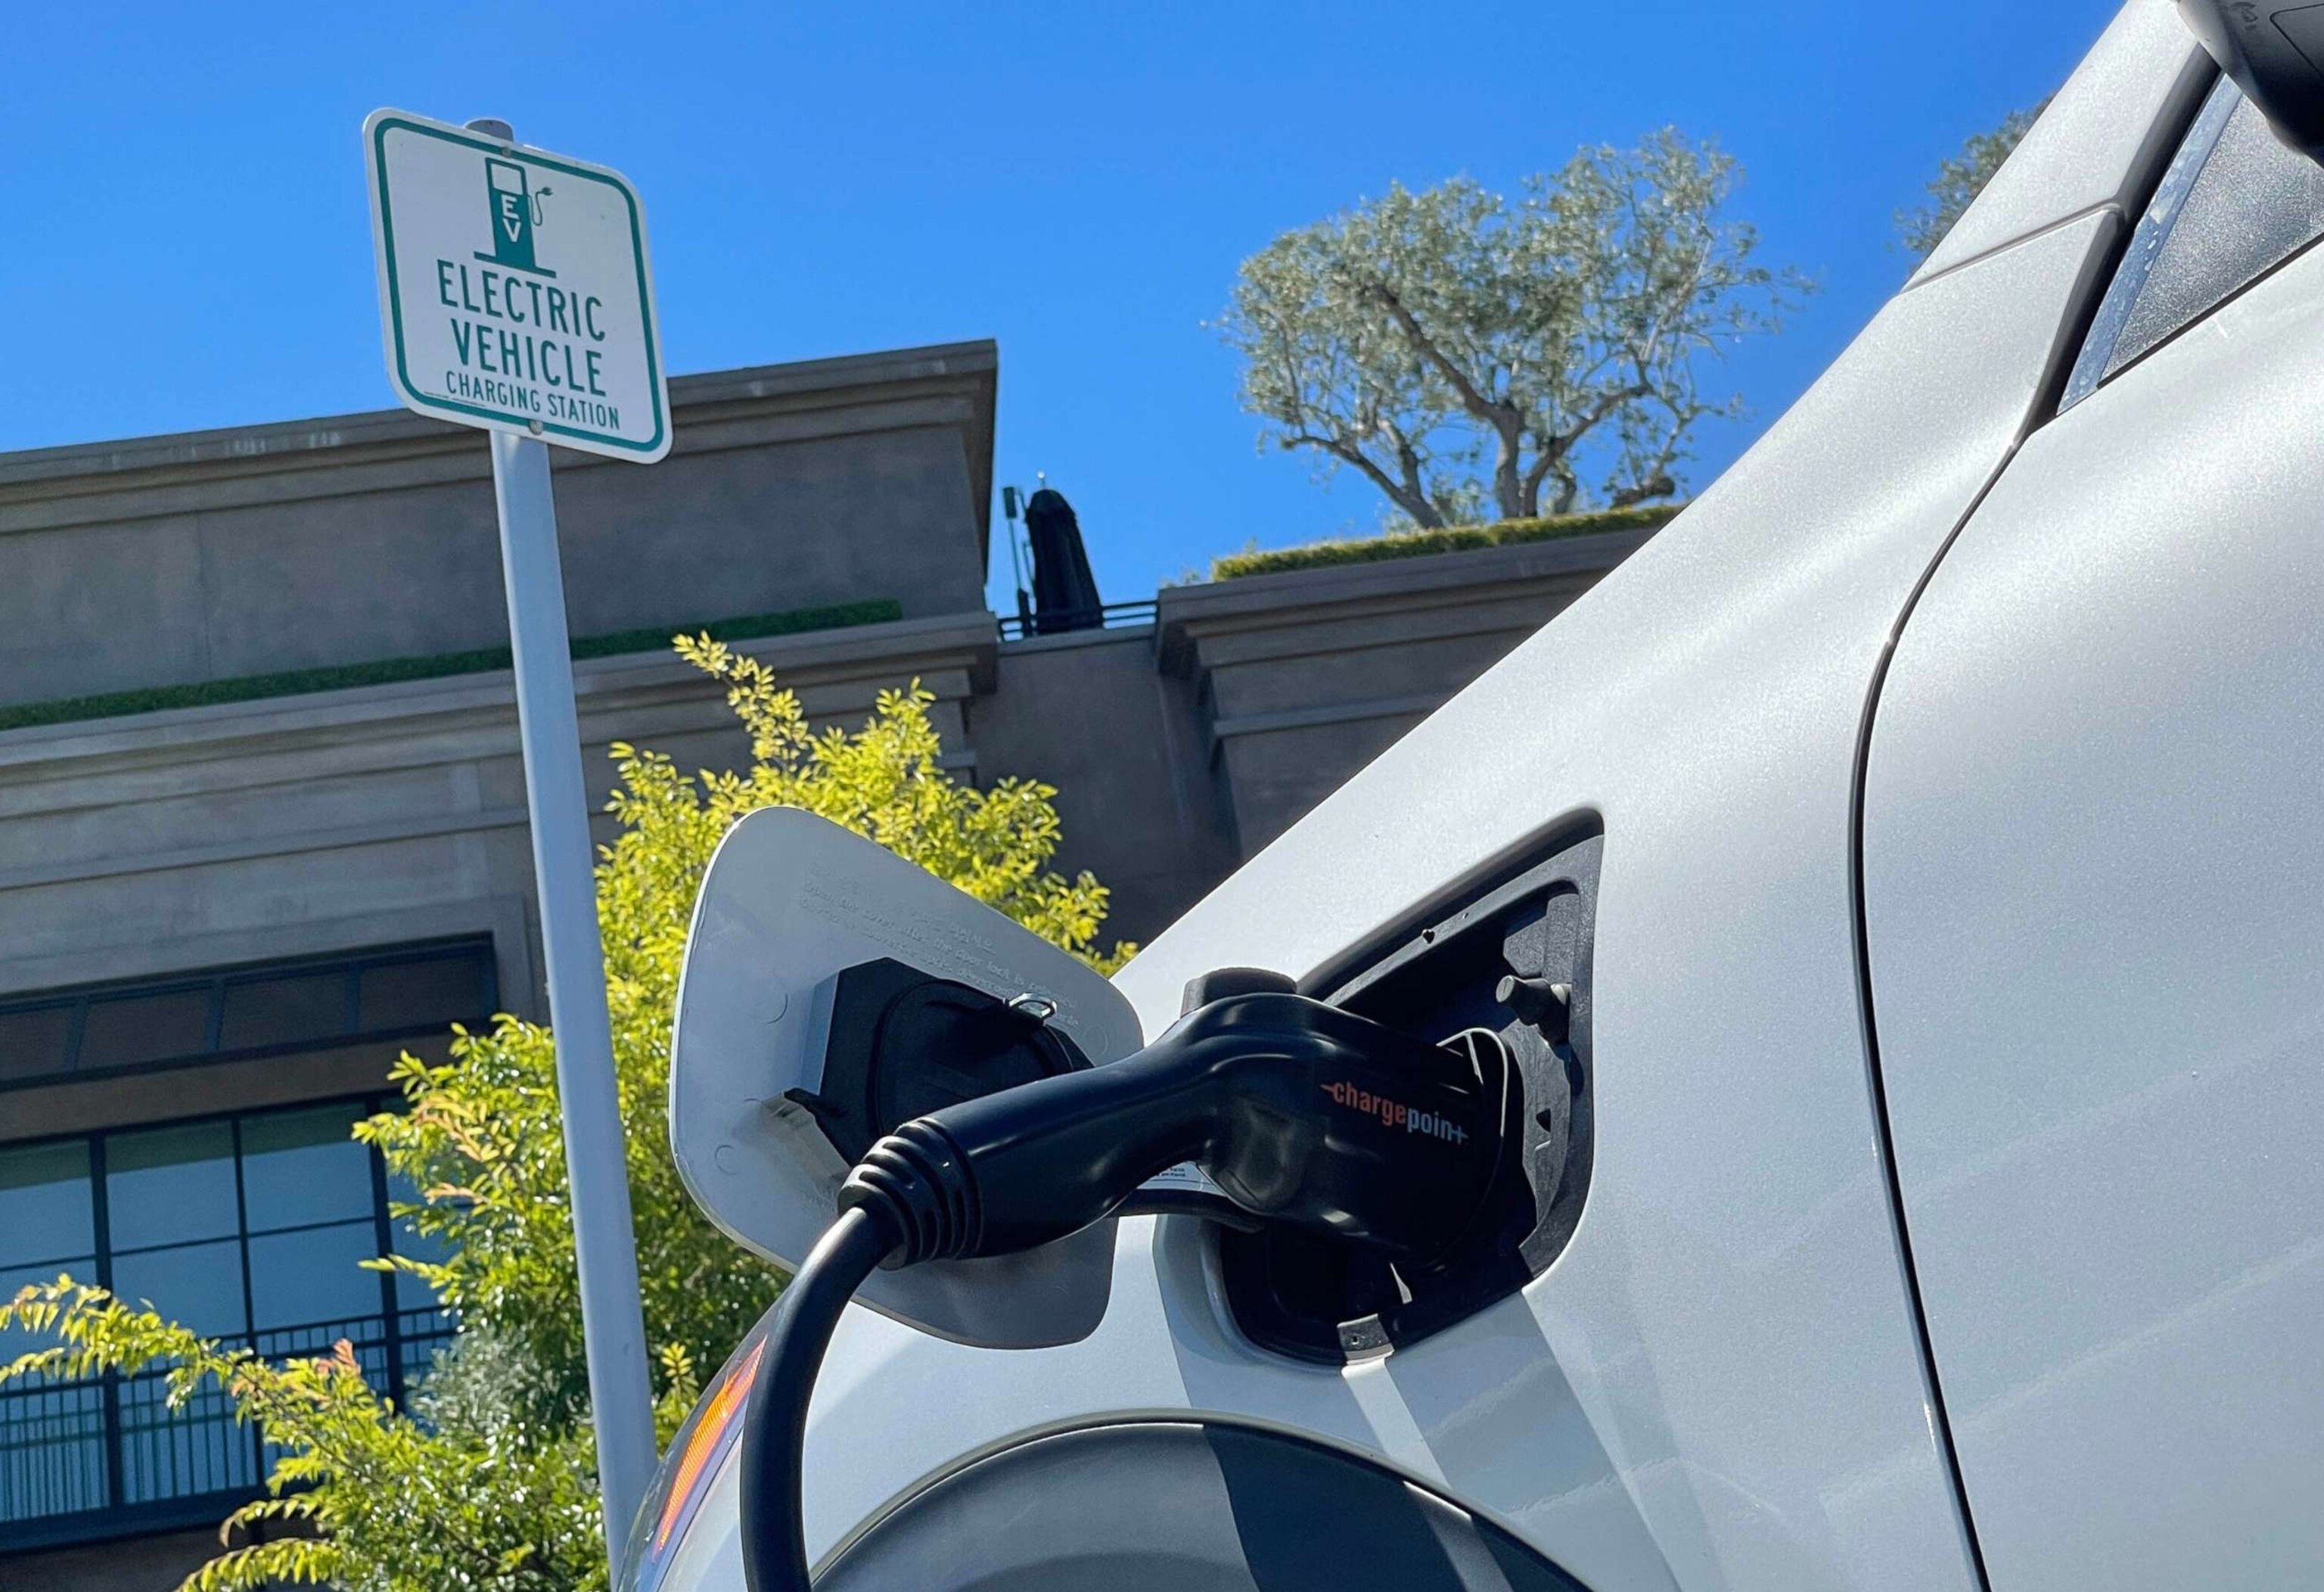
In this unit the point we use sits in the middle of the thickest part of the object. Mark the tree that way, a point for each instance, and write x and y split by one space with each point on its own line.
487 1481
1466 355
1958 180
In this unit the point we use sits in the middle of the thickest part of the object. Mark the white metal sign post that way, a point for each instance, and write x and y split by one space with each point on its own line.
515 296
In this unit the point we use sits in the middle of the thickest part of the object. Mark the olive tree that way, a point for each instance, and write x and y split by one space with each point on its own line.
1475 357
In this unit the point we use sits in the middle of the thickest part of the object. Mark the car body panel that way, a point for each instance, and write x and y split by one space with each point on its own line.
2139 77
2093 881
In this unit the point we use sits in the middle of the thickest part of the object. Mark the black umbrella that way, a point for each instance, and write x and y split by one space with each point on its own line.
1065 592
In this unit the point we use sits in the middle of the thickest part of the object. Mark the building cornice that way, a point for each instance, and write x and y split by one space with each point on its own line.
110 483
1184 616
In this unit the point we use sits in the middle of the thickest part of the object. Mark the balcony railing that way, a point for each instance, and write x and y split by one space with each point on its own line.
107 1456
1112 616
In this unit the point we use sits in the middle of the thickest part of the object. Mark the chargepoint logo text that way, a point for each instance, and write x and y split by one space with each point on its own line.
1396 1113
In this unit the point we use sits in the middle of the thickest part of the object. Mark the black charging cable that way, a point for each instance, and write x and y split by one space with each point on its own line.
1303 1115
774 1431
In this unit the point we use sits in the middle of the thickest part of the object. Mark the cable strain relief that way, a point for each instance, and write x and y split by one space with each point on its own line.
918 1178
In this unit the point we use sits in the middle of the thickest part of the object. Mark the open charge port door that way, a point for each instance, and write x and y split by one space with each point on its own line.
1506 963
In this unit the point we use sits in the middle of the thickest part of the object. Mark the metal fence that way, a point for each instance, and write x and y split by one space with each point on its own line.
1112 616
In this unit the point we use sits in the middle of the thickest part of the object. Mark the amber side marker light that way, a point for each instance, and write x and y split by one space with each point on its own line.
708 1439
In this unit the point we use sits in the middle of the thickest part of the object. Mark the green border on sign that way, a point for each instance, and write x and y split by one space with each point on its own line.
395 296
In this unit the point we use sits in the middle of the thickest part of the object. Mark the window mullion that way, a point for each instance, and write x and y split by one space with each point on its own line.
383 1226
101 1219
214 1026
249 1310
74 1032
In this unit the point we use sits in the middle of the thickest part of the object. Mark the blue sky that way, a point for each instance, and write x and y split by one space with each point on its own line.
187 244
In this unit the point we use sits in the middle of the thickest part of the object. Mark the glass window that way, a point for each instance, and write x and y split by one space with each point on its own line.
33 1041
2234 203
188 1017
47 1229
314 1276
410 1292
132 1030
23 1340
177 1453
283 1011
196 1285
171 1185
52 1450
441 990
46 1213
302 1167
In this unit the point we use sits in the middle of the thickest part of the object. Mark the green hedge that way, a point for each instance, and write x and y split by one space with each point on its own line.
297 681
1413 544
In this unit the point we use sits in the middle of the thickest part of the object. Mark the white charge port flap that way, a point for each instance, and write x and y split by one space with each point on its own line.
789 902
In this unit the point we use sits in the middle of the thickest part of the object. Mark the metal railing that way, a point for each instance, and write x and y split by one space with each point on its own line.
1018 626
106 1455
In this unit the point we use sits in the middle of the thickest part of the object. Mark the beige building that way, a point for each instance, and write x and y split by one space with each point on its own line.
262 827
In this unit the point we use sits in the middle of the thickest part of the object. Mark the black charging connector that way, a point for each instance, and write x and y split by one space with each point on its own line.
1306 1115
1299 1112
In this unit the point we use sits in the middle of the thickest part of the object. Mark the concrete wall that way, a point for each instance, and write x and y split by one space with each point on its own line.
1180 749
1089 713
207 836
204 837
1300 680
367 537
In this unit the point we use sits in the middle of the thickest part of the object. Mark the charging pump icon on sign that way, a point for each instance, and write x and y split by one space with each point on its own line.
515 213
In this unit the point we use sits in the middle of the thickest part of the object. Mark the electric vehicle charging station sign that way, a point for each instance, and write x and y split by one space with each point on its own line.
514 297
514 293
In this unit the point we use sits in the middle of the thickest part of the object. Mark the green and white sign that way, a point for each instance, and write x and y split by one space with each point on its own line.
514 289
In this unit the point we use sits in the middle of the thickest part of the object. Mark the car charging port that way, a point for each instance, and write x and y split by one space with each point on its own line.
1502 972
1482 1002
